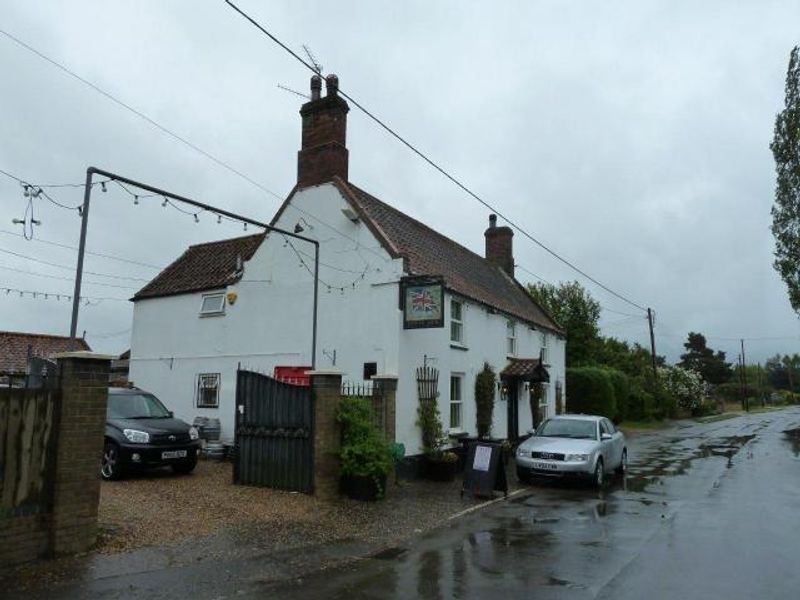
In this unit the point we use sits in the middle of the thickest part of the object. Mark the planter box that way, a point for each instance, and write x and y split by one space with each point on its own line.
439 470
359 487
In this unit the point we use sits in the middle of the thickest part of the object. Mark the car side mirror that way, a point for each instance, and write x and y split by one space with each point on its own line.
170 413
606 436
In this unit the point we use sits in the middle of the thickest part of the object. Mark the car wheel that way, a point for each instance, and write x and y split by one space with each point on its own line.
110 467
599 474
623 463
184 468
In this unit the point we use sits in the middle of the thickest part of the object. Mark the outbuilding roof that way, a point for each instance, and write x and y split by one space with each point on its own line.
203 267
17 347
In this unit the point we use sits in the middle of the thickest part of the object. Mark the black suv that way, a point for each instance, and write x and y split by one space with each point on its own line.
141 433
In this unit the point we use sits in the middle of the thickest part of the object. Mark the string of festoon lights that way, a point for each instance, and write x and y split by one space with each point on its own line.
57 297
32 192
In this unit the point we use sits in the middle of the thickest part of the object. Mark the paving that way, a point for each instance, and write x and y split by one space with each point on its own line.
707 510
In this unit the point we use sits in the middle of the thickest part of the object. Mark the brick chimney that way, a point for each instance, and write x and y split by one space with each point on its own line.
323 152
499 249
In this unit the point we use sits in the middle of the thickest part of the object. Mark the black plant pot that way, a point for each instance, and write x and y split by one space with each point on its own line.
362 487
440 470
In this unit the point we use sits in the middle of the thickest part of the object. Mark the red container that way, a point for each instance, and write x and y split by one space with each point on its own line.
295 375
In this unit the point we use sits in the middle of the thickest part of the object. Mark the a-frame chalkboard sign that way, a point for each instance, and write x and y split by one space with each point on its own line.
484 470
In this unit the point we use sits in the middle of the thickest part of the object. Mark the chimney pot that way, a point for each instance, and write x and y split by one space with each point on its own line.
316 87
492 221
332 85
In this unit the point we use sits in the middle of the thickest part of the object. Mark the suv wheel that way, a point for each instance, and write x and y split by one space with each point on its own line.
110 468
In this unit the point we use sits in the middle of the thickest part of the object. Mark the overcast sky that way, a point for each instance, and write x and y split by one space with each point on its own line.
631 137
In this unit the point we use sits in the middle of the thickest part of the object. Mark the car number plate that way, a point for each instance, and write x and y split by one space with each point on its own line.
174 454
545 466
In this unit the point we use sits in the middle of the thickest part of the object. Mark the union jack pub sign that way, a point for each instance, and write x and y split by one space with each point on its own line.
422 302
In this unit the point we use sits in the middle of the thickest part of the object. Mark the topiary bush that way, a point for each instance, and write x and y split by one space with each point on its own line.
363 453
484 400
590 391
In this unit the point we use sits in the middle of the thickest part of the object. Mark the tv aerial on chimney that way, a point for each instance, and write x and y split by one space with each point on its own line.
313 60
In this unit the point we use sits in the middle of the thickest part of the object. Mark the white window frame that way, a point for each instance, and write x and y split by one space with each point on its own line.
456 403
457 324
545 352
212 312
511 337
202 383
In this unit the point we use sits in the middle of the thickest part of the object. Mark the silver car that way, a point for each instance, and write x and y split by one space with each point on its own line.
584 446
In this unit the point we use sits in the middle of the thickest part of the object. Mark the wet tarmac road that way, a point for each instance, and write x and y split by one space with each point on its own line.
707 511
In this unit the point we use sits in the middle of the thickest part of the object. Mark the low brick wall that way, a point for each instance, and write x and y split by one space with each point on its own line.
52 461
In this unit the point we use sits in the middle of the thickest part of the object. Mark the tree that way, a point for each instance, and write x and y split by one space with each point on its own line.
633 360
574 309
783 372
785 148
703 360
686 385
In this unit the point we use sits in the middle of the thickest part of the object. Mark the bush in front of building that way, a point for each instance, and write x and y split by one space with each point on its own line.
590 390
621 385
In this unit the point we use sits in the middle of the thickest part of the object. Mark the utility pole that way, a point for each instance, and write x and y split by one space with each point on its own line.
744 378
652 343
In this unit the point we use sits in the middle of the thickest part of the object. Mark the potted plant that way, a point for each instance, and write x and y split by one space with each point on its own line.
440 463
365 458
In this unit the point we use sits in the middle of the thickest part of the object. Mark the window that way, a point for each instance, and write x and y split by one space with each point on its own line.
370 369
545 358
213 304
456 322
545 391
511 338
456 401
208 390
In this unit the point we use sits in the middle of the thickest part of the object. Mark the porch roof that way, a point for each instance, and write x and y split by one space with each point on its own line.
526 369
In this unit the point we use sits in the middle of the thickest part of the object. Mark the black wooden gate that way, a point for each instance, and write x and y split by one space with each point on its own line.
274 433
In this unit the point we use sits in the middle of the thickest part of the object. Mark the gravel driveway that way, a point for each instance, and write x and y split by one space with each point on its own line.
160 508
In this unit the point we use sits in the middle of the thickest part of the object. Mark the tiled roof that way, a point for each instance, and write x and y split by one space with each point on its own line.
424 250
203 267
16 347
529 369
428 252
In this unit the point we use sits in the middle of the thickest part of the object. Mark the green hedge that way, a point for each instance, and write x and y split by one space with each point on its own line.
590 390
621 385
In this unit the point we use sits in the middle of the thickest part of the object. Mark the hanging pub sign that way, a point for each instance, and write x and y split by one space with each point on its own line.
422 302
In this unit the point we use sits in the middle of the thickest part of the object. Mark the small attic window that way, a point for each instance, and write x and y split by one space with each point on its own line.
213 304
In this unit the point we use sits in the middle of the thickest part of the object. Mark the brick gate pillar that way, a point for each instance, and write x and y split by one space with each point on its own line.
387 384
82 418
326 389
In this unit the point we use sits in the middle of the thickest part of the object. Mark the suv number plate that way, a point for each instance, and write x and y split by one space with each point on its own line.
545 466
174 454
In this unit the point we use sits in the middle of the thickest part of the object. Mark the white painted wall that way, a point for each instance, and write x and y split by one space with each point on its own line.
359 319
484 341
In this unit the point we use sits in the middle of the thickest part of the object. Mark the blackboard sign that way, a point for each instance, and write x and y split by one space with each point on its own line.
484 470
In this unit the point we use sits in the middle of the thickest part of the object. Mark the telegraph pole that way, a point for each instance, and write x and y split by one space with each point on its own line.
652 342
744 378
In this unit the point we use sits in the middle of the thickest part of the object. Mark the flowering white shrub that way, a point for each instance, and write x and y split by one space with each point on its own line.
685 385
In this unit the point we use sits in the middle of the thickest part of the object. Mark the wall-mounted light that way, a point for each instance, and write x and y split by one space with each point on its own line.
350 214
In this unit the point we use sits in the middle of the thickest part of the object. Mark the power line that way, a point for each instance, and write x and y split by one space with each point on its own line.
605 308
58 266
35 274
100 254
435 165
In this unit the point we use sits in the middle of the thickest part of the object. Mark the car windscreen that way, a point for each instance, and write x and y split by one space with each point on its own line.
135 406
578 429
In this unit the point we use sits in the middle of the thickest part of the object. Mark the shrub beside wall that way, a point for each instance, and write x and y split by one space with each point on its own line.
590 390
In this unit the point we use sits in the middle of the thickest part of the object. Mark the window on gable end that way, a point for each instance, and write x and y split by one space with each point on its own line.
212 304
